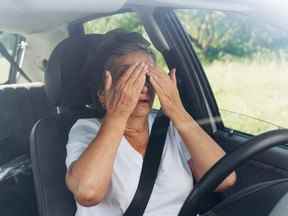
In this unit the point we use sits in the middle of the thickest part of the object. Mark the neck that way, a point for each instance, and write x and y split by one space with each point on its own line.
136 125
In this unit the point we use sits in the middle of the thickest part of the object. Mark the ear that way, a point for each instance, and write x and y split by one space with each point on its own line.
108 81
107 87
101 97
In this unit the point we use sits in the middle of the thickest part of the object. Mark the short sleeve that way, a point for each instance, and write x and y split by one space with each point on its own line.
180 144
80 136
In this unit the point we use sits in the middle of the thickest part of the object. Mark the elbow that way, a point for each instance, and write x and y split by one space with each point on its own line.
85 193
229 182
89 198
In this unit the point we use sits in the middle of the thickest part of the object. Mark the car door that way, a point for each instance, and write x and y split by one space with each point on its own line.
233 79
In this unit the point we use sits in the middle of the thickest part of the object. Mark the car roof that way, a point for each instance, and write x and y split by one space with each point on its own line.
36 16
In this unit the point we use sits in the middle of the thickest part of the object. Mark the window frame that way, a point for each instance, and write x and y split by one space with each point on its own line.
206 102
208 88
17 54
11 69
200 106
203 79
9 72
76 27
200 103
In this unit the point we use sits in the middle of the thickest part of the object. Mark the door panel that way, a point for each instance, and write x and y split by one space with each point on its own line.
269 165
17 188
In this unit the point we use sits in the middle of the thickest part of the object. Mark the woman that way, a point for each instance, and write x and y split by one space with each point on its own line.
104 156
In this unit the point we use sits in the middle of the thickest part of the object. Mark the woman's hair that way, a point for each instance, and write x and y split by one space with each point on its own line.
101 57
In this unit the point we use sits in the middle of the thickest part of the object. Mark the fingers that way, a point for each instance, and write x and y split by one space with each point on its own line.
161 82
160 77
157 73
140 82
156 85
137 78
133 80
125 77
163 77
138 74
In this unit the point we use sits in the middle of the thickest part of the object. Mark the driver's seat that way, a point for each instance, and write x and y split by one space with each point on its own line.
66 89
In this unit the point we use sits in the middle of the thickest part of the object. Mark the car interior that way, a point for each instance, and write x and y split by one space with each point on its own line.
36 116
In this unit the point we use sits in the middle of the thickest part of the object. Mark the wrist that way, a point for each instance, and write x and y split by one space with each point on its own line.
115 120
182 120
179 115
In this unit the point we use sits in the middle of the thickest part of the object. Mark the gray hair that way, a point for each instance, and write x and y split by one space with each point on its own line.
116 43
125 50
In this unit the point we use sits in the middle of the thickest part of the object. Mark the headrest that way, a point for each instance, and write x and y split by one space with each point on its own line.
66 85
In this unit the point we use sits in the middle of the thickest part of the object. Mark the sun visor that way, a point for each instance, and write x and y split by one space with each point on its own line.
31 16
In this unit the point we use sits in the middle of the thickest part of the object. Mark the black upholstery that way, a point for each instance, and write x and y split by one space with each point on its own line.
256 200
21 105
65 84
48 152
280 209
67 89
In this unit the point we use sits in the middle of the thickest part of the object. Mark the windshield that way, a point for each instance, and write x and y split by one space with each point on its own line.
246 63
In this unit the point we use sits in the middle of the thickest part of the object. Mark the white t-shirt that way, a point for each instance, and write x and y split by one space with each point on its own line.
172 186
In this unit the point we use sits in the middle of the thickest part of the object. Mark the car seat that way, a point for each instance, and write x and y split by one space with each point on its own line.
67 89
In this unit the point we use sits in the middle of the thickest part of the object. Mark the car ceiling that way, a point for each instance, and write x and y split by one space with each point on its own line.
35 16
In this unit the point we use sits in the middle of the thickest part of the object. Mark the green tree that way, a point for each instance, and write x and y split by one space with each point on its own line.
127 21
218 35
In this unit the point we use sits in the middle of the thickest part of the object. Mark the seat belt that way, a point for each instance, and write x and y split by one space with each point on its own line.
150 166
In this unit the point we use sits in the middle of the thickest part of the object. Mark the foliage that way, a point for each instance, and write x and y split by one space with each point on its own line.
251 96
220 36
128 21
245 62
215 35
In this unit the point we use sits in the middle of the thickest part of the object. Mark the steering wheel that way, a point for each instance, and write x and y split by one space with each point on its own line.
227 164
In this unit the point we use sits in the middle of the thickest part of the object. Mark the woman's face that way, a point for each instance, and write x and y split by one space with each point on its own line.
120 65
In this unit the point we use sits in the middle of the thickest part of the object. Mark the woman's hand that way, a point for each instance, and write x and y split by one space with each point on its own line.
121 99
89 177
165 87
199 144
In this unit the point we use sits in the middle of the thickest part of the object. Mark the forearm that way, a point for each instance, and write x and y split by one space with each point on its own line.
90 175
204 151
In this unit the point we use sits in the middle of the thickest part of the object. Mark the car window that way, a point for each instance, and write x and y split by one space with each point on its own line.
130 22
9 42
15 46
246 62
4 69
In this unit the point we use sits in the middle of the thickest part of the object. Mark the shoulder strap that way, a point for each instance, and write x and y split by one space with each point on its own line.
150 166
